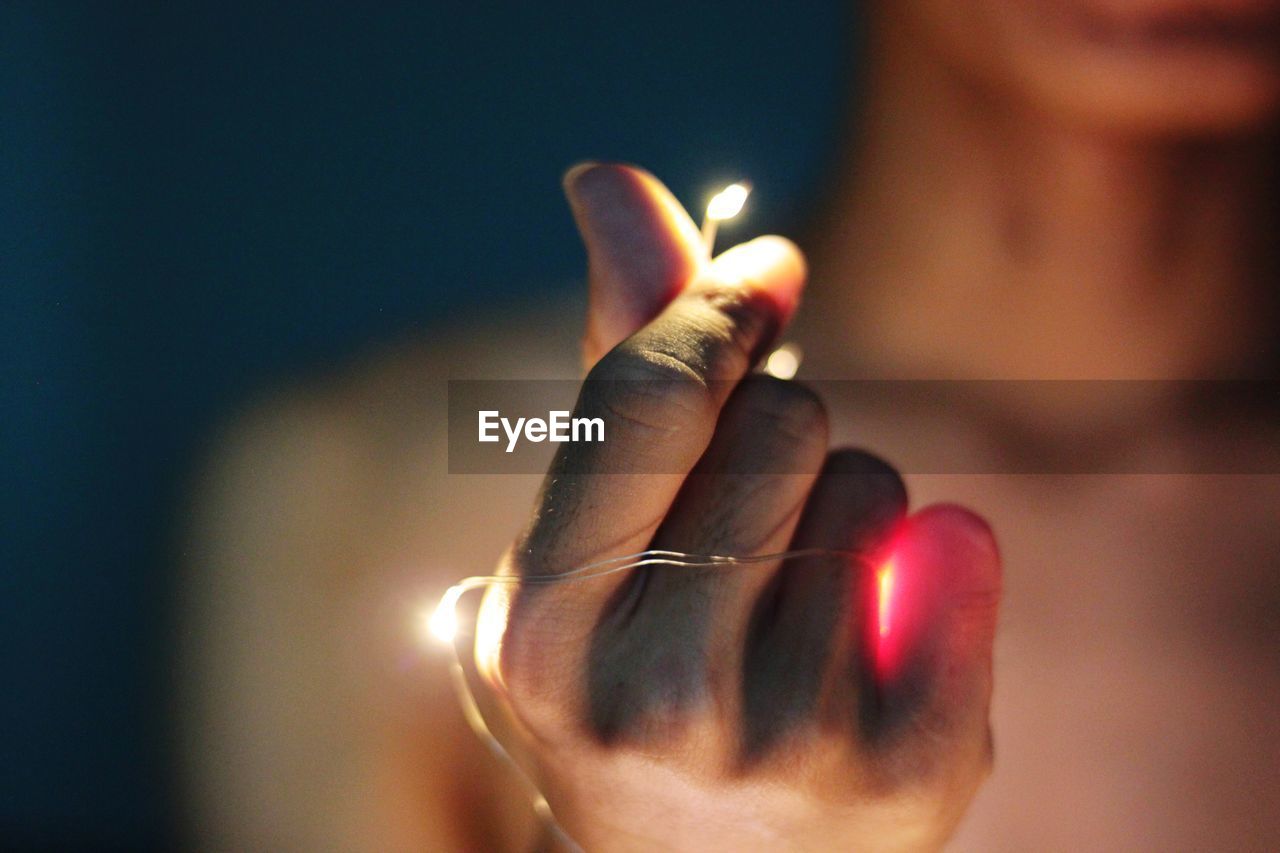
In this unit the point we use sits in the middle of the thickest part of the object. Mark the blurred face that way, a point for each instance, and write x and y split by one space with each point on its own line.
1148 66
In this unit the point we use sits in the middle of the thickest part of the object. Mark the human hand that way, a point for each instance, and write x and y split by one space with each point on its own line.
759 706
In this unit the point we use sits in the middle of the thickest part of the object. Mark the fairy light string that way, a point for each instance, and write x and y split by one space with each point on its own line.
443 625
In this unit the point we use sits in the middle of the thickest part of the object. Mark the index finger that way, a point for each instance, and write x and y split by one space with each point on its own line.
659 393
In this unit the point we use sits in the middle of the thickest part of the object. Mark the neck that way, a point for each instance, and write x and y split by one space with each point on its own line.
974 238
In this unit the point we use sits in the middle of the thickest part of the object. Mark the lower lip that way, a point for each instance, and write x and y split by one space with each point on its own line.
1176 24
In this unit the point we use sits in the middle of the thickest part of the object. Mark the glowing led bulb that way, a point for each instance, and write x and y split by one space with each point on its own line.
443 621
783 362
725 204
443 624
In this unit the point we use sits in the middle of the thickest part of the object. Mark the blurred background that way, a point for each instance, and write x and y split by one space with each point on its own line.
201 202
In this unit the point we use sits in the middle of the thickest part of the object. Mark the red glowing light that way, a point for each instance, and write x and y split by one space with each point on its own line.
884 597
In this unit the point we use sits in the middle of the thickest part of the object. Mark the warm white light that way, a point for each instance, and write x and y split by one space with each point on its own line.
443 624
727 203
783 362
443 621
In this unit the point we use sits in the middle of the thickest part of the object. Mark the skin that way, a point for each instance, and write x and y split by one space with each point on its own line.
1039 190
682 701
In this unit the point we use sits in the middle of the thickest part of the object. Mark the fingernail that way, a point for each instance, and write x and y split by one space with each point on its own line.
574 172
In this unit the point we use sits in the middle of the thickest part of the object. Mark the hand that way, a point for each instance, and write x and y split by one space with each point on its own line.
755 707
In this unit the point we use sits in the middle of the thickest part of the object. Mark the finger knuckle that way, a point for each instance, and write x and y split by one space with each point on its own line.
877 485
648 391
791 410
737 321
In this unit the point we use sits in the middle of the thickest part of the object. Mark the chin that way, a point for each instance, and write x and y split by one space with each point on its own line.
1150 74
1173 67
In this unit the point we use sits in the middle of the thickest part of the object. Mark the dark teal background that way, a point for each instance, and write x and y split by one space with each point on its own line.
198 201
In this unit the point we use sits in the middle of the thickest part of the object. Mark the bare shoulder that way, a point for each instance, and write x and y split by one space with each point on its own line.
323 521
361 454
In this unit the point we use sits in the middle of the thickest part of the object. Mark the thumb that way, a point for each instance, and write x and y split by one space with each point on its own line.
642 249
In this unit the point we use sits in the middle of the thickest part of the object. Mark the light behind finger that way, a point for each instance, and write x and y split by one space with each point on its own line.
809 621
928 722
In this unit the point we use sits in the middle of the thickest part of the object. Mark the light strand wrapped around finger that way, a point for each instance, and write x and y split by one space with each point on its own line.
442 625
